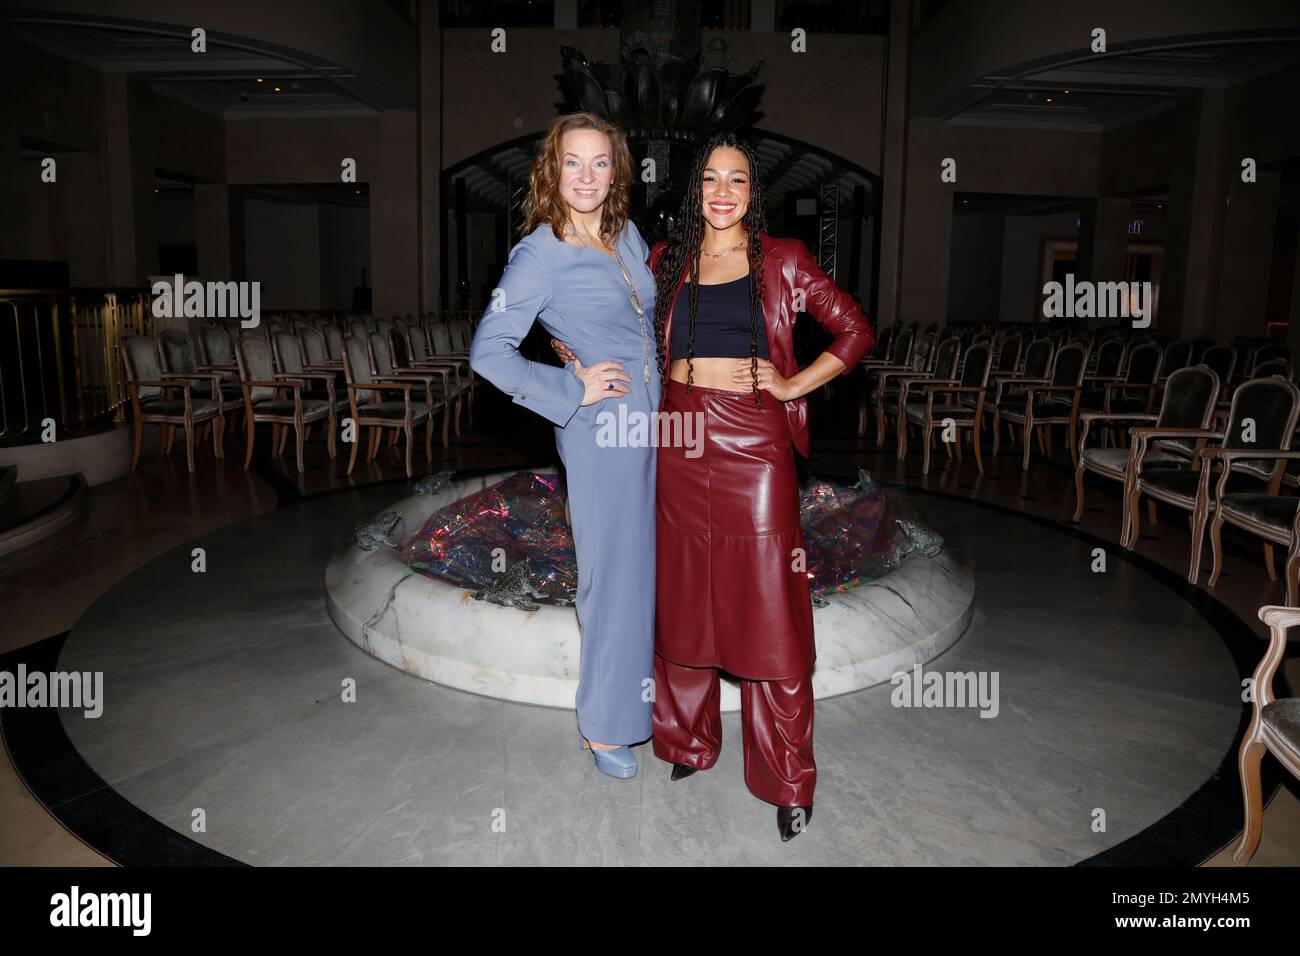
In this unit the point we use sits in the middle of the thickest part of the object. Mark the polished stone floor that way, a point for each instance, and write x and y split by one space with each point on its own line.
1118 691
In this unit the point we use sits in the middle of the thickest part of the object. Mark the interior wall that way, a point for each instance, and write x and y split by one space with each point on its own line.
282 251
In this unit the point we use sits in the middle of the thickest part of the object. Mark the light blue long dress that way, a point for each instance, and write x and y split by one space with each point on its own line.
579 296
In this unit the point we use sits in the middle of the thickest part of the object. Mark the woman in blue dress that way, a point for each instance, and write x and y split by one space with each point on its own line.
581 271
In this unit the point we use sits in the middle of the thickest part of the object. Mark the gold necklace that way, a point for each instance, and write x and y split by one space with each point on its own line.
723 255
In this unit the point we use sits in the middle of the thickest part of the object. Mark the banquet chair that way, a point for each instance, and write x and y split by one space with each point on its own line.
1274 727
264 389
1262 419
370 411
1188 403
1044 404
963 409
152 403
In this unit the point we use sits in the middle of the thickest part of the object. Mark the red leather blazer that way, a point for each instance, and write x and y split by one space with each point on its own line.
787 266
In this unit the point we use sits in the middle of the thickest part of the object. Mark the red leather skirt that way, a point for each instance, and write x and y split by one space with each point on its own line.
731 586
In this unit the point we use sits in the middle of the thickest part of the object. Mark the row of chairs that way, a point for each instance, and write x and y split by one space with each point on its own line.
1035 387
290 380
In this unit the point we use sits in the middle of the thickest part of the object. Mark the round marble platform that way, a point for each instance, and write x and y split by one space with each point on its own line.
435 630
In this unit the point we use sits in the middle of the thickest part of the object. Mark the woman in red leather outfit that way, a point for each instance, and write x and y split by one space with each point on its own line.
731 583
732 591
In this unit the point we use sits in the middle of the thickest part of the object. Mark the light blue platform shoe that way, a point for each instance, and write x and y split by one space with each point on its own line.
617 763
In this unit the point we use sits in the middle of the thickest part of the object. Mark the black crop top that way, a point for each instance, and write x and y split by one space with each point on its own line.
721 322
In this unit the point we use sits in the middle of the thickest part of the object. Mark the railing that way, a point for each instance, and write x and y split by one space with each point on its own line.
60 357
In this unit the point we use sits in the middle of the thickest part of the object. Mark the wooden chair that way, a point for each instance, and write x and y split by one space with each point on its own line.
370 411
1274 726
1275 518
964 409
1044 404
438 391
890 384
179 358
1188 403
264 389
1262 419
152 402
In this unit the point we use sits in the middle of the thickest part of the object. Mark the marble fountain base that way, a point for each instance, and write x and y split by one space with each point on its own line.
433 629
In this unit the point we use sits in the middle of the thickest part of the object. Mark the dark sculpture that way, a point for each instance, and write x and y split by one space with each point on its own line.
675 100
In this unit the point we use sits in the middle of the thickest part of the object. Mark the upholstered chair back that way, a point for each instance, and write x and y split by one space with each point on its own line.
441 336
1269 406
216 345
1069 366
1267 353
1144 363
1191 395
288 353
1110 356
140 356
1178 354
255 364
903 347
1009 353
1038 358
945 358
1222 359
313 346
356 364
462 334
975 369
379 357
333 342
176 349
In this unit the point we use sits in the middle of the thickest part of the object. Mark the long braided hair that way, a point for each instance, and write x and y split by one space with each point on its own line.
684 245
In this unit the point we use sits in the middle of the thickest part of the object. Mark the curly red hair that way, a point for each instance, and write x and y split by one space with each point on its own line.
544 204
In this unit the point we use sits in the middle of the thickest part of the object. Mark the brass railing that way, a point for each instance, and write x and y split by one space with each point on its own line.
60 357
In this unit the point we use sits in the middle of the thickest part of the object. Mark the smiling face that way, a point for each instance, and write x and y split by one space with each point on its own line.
586 169
726 187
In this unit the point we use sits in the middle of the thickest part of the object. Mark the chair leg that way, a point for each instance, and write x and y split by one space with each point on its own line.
1071 430
189 445
1217 546
248 451
446 425
901 452
299 436
929 435
975 443
1078 491
139 436
1047 440
458 417
373 448
356 444
1151 511
862 418
1200 518
1024 458
332 425
997 433
1252 795
1134 518
219 437
409 439
165 440
428 438
1292 575
1269 564
958 443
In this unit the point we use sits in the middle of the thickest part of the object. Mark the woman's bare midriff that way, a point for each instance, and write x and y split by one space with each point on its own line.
710 373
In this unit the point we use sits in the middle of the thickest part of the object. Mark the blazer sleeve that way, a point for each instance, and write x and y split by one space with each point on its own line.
834 308
554 393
